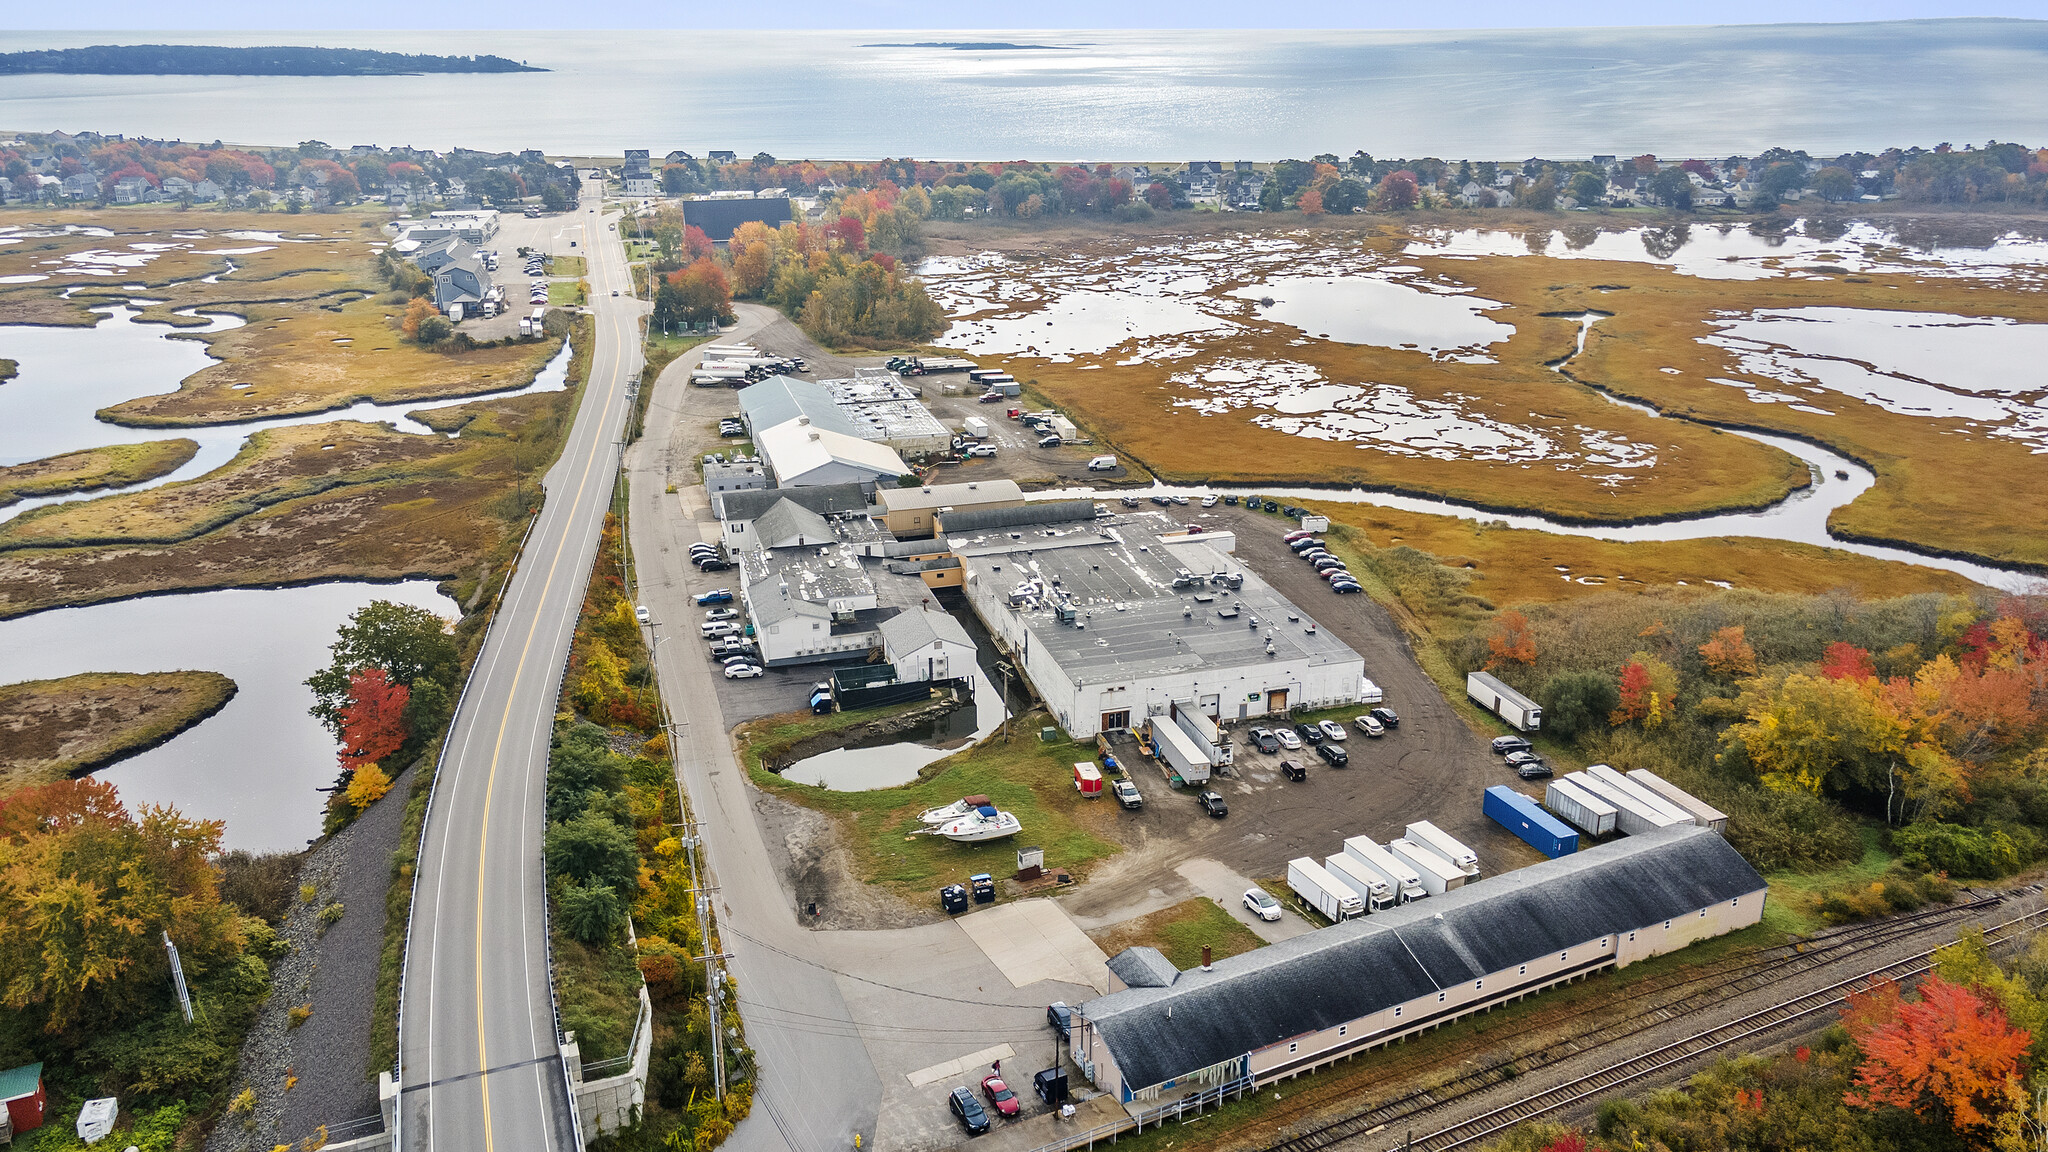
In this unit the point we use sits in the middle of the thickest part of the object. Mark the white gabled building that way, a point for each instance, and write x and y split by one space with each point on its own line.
800 453
926 644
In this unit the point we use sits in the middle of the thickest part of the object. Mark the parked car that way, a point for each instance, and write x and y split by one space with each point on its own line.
1386 717
1213 804
1230 500
968 1111
952 899
999 1095
1337 757
1059 1016
1345 587
1127 794
742 671
1293 770
1338 575
1262 904
1311 733
1332 730
1287 739
712 564
1370 725
1209 501
721 613
982 450
1297 534
1264 740
1502 745
1049 441
1536 771
642 614
1520 760
715 596
712 629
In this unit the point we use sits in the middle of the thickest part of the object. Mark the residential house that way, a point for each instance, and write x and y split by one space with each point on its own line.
176 187
721 156
463 280
1475 195
363 149
134 190
925 644
81 186
640 184
679 157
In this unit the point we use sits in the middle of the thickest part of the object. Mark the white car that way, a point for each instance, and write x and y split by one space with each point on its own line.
1209 501
1262 904
982 450
642 614
1332 730
721 613
1287 739
1370 726
742 671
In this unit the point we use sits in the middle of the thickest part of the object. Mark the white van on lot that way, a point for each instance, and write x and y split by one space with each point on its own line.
1102 464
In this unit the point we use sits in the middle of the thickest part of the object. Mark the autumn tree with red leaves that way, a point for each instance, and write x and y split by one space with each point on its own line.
1729 653
1950 1053
1845 661
373 718
1637 695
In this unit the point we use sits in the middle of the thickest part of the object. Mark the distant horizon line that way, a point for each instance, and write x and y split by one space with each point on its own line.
902 29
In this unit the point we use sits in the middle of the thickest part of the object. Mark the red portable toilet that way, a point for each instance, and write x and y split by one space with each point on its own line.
21 1089
1087 778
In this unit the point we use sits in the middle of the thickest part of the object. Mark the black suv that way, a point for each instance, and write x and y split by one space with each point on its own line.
1337 757
1502 745
968 1109
1386 717
1310 733
1536 771
1293 770
1213 804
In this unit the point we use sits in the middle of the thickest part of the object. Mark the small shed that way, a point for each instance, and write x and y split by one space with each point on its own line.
21 1089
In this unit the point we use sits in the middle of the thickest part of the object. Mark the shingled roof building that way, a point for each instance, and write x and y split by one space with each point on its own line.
1297 1005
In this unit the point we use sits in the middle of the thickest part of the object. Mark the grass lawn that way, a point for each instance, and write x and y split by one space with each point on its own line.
1790 905
1019 774
661 350
1180 932
568 266
565 293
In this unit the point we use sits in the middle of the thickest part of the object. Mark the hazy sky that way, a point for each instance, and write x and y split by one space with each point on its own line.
511 14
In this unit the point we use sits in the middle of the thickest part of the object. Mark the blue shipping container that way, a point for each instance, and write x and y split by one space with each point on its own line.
1520 815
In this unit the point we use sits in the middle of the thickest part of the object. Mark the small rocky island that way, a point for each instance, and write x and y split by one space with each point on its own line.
210 60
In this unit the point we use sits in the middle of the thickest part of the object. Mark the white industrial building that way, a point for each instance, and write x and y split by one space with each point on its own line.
1116 619
738 509
1253 1019
882 408
927 644
800 453
818 589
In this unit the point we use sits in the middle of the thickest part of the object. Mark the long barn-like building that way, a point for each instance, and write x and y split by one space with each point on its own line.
1297 1005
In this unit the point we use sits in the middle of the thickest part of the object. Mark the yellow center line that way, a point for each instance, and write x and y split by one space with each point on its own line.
491 779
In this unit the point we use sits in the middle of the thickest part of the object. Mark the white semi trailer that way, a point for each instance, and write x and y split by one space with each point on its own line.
1407 885
1489 693
1324 892
1429 837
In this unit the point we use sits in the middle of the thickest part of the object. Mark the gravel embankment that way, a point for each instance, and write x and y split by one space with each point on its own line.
336 973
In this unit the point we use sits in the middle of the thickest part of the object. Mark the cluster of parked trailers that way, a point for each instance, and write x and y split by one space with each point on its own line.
928 365
1598 801
738 365
1369 877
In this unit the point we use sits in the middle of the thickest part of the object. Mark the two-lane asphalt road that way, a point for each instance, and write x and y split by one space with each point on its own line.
480 1066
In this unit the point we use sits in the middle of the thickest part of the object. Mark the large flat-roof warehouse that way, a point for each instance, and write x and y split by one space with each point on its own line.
1116 618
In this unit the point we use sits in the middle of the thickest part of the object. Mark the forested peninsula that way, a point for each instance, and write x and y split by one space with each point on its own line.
210 60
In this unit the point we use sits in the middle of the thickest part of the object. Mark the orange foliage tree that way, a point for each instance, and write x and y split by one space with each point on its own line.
1729 653
373 719
1638 695
1310 203
1512 642
1949 1054
1845 661
415 312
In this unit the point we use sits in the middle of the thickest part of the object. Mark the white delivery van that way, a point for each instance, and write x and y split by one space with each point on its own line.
1102 464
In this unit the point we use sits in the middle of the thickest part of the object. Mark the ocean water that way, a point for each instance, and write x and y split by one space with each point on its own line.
1114 95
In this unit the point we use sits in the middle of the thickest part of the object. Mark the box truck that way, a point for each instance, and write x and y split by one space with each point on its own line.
975 426
1438 877
1323 892
1520 815
1431 838
1370 886
1504 702
1407 885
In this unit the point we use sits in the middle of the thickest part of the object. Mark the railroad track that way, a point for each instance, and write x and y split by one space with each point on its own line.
1498 1120
1714 982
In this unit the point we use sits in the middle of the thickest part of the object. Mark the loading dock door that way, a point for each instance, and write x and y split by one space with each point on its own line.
1111 721
1212 707
1276 701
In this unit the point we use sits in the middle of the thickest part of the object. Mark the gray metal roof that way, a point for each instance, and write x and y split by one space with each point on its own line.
780 399
1143 967
1048 512
909 631
790 523
1354 969
824 499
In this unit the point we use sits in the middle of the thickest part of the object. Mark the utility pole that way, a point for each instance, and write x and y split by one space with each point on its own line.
178 978
714 982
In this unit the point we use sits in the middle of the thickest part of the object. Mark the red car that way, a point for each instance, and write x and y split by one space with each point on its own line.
999 1095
